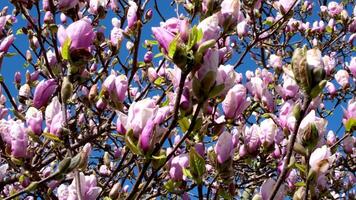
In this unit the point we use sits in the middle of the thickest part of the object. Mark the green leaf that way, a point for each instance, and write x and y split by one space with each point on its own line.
66 48
74 162
130 143
159 80
161 156
317 89
187 173
300 184
350 124
9 55
52 137
300 167
64 165
268 23
216 91
33 186
172 48
193 36
19 31
158 55
170 185
184 124
196 165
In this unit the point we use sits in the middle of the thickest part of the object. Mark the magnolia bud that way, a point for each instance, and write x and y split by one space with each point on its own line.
106 159
17 78
28 56
300 69
93 92
67 90
148 15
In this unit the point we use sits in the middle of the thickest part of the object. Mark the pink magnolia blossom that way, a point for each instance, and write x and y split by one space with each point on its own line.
67 4
43 92
334 8
132 14
6 43
88 189
116 86
342 77
34 120
350 112
176 168
321 159
80 33
352 66
268 131
224 147
235 102
267 187
210 27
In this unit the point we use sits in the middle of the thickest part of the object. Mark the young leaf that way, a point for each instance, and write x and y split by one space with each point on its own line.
66 48
196 164
184 124
129 142
350 124
172 48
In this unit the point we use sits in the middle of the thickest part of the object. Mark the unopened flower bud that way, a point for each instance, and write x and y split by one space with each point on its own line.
66 90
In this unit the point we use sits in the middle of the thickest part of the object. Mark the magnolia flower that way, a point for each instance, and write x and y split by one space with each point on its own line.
314 59
88 189
286 5
51 110
34 120
348 144
305 133
342 78
230 8
330 138
267 187
80 33
268 131
116 86
67 4
350 112
352 66
6 43
242 29
334 8
224 147
19 140
210 27
146 136
116 34
329 64
56 123
25 91
228 76
235 102
252 138
321 159
94 5
132 14
275 61
210 63
176 167
163 36
43 92
138 115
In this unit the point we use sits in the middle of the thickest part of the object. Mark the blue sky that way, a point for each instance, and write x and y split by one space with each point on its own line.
11 65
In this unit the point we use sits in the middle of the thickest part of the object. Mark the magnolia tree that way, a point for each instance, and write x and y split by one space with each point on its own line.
224 99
